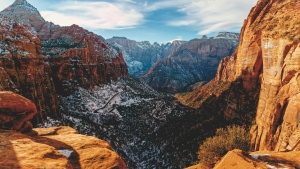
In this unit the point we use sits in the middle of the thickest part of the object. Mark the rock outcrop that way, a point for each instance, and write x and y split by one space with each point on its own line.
23 70
266 62
141 56
15 111
41 60
59 147
194 61
237 159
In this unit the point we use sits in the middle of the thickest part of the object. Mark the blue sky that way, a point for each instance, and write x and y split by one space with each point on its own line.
153 20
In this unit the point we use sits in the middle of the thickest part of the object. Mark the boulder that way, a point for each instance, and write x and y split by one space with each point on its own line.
15 111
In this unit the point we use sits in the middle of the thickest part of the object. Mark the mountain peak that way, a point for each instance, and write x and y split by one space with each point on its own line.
20 2
227 35
23 12
20 7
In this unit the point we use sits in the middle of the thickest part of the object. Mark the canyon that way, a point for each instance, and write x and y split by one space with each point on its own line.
195 61
76 78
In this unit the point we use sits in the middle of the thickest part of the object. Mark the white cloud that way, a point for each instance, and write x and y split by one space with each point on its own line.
179 38
95 15
208 16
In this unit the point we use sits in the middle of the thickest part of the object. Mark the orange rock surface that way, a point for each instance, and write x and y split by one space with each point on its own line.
237 159
58 148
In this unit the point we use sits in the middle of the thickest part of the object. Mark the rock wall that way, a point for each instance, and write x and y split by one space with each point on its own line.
81 58
276 25
41 60
23 70
267 60
194 61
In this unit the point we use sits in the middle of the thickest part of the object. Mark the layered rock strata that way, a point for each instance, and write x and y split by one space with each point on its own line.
23 70
267 60
194 61
41 60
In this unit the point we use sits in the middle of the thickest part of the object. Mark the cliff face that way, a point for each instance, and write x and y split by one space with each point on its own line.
141 56
267 60
41 60
81 58
195 61
23 70
273 50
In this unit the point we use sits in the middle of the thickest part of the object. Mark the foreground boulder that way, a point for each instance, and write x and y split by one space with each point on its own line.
15 111
58 147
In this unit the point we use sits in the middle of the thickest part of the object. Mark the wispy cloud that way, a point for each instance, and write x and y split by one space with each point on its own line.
95 15
207 15
179 38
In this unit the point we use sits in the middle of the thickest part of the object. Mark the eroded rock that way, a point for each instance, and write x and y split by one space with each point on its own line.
16 111
60 149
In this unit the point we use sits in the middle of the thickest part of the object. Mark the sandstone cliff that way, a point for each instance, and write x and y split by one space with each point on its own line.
266 62
141 56
23 70
194 61
41 60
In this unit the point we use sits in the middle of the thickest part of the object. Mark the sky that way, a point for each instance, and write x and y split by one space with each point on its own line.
159 21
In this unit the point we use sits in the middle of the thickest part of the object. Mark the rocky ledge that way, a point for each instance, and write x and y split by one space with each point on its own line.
237 159
58 147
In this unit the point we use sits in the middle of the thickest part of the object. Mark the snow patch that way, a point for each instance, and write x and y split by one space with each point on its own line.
66 152
256 156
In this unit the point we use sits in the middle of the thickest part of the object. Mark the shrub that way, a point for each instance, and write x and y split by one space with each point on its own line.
213 148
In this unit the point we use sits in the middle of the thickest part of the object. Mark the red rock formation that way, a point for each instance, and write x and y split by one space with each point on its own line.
194 61
72 57
268 58
77 57
15 110
22 68
80 58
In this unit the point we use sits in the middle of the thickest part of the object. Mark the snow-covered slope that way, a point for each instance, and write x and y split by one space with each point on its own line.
141 124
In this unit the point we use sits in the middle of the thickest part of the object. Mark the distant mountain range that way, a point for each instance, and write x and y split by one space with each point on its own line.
194 61
141 56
